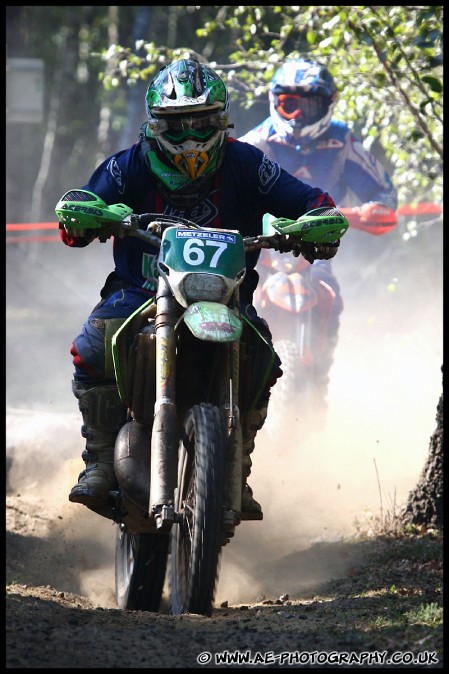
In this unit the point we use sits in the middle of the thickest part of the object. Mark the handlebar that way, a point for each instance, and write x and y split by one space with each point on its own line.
157 223
373 218
83 214
283 243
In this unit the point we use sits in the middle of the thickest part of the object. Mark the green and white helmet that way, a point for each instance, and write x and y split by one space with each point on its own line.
187 105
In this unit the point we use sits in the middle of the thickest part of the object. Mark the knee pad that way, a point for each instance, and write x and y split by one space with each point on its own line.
92 349
88 350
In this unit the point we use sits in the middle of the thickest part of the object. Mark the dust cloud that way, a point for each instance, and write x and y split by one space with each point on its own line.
384 388
71 550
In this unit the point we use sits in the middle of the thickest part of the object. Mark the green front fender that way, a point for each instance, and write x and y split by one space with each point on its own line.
212 322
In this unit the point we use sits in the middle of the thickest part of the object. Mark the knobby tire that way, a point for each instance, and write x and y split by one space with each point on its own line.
140 568
197 538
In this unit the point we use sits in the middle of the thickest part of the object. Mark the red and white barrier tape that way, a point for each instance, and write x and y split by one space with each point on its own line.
31 226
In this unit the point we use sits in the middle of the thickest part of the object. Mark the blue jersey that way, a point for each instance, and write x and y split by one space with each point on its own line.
246 186
336 161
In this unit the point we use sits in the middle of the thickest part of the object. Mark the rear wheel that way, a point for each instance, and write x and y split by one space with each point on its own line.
196 539
140 566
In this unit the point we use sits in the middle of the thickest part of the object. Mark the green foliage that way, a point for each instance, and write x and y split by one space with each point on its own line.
386 60
430 615
426 614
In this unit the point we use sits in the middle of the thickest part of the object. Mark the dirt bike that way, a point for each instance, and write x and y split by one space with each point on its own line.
298 307
188 366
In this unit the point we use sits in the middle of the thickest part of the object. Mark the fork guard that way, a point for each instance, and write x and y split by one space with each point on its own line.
212 322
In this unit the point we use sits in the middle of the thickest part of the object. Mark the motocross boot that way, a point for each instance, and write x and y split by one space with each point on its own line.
252 423
103 416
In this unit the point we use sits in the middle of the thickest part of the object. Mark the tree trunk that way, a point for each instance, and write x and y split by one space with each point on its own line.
63 72
424 507
136 113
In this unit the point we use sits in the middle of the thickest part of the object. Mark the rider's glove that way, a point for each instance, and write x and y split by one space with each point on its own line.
103 233
74 233
319 251
327 251
286 245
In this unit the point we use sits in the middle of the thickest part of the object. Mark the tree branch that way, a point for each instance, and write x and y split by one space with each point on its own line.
394 81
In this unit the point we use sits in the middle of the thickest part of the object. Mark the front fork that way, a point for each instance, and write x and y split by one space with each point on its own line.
164 449
233 459
164 440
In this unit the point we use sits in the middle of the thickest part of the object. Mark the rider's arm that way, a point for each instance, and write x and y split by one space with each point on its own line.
366 177
108 183
373 188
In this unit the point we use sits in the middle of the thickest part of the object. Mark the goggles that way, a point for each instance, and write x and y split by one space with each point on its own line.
309 108
178 128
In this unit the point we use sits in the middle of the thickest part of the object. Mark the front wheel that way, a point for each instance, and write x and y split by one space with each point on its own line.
140 566
196 539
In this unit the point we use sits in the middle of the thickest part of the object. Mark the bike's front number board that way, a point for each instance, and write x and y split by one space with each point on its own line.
204 250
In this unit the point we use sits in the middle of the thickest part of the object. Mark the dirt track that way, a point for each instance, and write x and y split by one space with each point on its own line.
53 571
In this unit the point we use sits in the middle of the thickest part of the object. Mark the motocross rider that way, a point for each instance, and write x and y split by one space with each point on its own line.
186 164
302 136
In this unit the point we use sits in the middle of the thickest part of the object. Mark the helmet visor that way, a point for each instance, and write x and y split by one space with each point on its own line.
199 126
307 109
